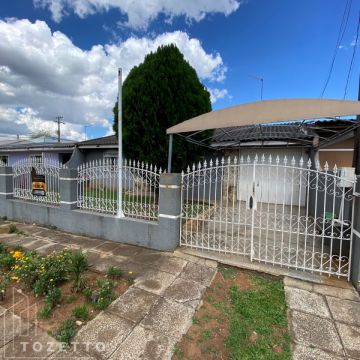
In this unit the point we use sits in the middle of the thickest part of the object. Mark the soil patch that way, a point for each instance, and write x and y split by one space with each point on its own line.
214 325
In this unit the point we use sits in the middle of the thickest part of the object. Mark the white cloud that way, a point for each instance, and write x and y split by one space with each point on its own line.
139 14
43 74
216 94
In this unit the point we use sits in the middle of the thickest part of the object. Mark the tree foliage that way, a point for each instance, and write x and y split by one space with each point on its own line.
162 91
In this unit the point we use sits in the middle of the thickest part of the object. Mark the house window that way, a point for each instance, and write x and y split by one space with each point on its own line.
4 159
36 158
111 157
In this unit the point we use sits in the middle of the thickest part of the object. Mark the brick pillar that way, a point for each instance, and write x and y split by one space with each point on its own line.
6 182
170 209
68 189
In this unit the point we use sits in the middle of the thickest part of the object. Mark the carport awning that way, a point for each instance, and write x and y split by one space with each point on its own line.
268 111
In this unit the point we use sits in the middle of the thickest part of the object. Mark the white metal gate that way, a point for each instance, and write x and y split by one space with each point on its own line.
309 228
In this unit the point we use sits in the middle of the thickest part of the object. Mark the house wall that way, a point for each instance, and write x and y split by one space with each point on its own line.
340 154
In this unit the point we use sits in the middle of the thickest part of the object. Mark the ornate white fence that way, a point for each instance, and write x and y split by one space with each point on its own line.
276 211
23 172
98 188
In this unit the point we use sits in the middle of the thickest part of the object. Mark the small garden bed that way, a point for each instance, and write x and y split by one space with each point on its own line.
243 316
58 291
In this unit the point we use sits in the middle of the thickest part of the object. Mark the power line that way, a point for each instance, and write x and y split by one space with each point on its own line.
343 26
353 56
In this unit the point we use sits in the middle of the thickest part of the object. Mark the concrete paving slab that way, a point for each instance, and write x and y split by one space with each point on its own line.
129 250
11 326
347 294
350 336
154 281
134 304
30 229
92 256
102 335
345 311
300 284
85 243
36 243
198 273
71 354
170 264
145 344
107 246
35 344
309 353
314 331
185 291
306 301
104 262
9 239
148 257
169 318
52 248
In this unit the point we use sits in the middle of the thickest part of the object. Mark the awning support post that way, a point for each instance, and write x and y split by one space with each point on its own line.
170 153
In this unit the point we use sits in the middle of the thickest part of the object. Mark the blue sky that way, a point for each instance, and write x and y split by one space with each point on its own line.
289 43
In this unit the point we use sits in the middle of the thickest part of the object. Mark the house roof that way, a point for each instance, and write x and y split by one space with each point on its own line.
103 141
262 133
36 146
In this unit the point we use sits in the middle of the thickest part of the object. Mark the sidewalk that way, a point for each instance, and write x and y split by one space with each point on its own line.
148 319
324 320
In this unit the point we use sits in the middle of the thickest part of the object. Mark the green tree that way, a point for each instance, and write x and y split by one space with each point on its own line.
162 91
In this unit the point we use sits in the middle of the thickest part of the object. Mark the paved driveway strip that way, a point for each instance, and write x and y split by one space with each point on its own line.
150 317
324 320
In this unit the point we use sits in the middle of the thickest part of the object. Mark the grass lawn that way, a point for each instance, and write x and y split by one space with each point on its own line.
243 317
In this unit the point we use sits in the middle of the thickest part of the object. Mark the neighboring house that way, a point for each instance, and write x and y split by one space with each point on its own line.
293 141
72 154
12 153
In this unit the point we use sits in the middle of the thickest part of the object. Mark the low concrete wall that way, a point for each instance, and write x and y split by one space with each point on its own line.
160 235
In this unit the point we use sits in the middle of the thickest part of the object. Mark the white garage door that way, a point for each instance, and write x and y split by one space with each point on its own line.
272 184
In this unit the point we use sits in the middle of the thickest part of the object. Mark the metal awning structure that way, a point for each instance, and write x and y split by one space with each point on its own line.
265 112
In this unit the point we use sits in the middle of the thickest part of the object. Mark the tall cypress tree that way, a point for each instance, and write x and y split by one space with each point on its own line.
162 91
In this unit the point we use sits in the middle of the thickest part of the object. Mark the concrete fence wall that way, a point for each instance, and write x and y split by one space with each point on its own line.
160 235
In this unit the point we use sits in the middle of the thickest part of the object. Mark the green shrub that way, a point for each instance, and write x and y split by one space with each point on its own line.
66 331
104 296
81 312
45 312
4 285
14 230
87 292
80 284
50 272
2 249
78 264
114 272
7 261
53 297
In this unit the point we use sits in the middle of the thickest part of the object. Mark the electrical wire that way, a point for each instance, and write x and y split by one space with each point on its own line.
343 26
353 56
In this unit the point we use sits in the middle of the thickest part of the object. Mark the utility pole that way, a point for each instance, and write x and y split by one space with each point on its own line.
261 79
120 212
58 121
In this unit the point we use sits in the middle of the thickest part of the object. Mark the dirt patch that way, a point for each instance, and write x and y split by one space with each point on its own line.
243 316
26 305
4 229
206 338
